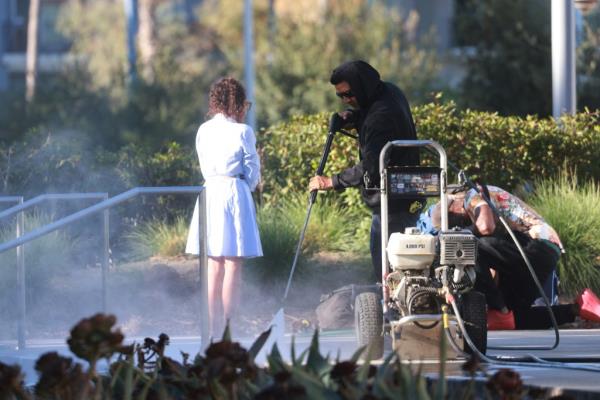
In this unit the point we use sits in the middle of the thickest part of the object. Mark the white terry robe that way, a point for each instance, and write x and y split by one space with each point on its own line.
231 169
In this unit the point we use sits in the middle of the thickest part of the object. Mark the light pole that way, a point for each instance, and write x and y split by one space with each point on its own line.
131 16
563 58
249 60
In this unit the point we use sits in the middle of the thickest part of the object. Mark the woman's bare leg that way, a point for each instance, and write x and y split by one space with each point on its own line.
232 286
216 272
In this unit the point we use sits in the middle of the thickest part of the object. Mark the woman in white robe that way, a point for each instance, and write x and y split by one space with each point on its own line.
231 169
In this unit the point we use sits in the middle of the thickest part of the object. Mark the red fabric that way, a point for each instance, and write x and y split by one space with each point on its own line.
589 306
498 321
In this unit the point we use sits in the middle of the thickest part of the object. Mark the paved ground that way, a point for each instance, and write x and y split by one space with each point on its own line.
581 348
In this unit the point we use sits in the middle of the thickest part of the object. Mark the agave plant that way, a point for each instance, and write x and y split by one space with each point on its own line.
227 370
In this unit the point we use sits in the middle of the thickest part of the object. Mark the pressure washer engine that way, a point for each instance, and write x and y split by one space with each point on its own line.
426 276
425 267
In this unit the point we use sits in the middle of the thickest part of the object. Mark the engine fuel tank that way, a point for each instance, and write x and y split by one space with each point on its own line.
411 250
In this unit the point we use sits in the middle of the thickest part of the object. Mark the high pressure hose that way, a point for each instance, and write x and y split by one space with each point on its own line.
462 176
537 284
470 184
516 361
494 360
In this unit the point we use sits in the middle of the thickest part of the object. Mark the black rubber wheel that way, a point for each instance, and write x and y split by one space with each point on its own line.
474 314
368 320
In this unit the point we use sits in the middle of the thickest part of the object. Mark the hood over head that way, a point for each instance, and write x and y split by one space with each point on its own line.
364 80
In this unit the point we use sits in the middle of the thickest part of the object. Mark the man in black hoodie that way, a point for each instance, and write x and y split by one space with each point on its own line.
380 113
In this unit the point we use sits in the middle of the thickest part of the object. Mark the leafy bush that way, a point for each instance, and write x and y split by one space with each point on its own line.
504 151
291 152
63 162
158 238
571 208
330 228
46 256
279 237
508 151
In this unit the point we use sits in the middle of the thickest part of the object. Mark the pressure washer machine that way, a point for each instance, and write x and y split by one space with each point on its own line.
427 279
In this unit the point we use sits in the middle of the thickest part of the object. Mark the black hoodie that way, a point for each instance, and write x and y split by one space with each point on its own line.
384 115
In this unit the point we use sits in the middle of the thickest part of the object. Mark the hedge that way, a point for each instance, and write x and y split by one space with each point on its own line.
504 151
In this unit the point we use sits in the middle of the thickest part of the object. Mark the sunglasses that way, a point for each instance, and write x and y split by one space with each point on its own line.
347 94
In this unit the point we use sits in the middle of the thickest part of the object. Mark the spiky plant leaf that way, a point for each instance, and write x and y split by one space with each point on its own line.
300 359
315 388
129 386
422 392
408 381
217 390
363 371
259 343
355 357
315 361
276 362
226 333
382 390
293 351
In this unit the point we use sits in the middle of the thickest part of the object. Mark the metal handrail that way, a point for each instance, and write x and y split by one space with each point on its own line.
19 209
51 196
105 205
11 199
20 228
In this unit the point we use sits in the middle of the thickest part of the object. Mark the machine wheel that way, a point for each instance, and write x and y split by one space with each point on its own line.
368 321
474 315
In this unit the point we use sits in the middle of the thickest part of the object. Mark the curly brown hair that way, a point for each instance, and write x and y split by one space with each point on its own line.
227 96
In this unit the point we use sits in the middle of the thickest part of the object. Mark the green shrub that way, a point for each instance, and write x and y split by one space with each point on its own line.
507 151
291 152
503 151
158 238
331 228
572 209
46 257
279 238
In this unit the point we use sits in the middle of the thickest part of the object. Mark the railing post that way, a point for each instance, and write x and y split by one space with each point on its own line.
105 256
203 265
21 284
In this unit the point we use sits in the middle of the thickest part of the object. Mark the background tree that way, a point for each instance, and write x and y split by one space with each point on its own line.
509 69
293 67
178 61
97 32
588 63
147 37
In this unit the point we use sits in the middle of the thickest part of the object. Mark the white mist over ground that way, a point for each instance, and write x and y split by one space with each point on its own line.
162 295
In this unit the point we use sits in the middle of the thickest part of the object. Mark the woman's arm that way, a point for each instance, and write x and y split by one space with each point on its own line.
251 161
